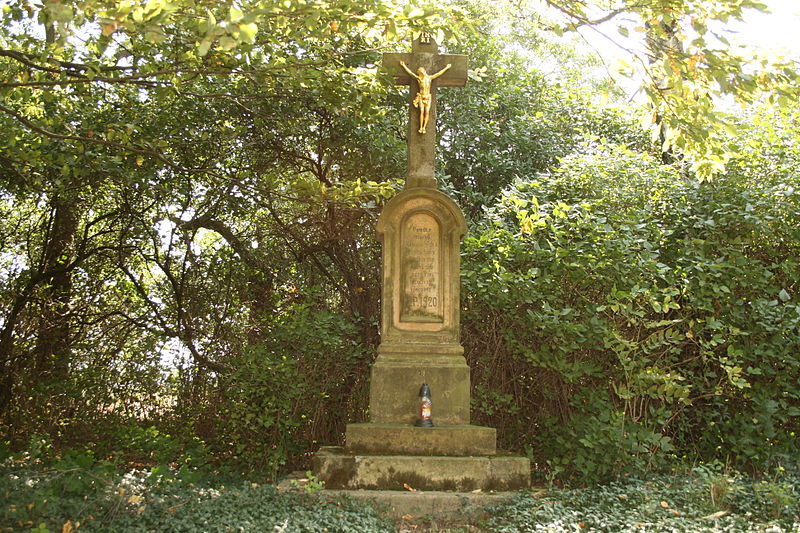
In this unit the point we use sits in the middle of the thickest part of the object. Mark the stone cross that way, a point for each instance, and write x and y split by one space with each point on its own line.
421 230
422 146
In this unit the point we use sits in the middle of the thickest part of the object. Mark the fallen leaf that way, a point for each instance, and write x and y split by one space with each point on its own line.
664 505
718 514
676 513
67 527
407 517
135 498
409 487
172 509
477 491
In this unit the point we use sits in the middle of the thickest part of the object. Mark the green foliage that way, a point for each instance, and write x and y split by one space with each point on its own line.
686 62
188 272
309 485
45 496
514 119
646 316
665 503
49 493
257 416
152 446
152 222
281 389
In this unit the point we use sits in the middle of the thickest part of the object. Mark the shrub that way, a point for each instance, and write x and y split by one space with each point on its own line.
635 315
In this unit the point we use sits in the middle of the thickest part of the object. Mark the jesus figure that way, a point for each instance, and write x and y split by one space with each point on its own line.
423 98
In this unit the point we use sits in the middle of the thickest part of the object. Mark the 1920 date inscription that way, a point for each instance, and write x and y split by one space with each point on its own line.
420 268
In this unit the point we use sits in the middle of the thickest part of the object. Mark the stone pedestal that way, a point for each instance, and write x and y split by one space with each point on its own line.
397 376
342 470
421 229
403 439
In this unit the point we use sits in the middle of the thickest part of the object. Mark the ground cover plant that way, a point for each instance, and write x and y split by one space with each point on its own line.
75 493
707 500
44 492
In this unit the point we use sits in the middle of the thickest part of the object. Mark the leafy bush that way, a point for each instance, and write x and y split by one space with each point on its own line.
281 391
635 315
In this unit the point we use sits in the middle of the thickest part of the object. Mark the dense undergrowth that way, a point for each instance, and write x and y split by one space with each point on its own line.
43 492
704 499
621 317
74 492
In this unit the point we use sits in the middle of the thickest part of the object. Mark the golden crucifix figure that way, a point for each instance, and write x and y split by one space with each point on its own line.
423 98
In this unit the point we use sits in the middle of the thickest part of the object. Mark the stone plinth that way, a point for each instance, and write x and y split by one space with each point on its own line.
342 470
396 379
427 505
399 439
421 231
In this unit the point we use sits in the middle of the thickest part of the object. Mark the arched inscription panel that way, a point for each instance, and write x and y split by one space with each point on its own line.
421 269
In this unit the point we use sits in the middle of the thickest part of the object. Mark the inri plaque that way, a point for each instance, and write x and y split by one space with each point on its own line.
420 269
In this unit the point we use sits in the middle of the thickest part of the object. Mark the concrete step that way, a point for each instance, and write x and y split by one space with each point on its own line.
340 469
424 506
401 439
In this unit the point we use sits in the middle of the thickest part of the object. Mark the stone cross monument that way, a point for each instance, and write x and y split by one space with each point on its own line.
421 230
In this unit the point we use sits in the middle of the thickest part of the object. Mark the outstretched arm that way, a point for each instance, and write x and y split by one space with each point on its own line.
402 64
445 69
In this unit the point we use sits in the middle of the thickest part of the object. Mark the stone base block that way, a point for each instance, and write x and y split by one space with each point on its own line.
428 505
342 470
394 389
398 439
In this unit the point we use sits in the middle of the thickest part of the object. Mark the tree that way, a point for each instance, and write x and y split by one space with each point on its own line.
139 126
687 66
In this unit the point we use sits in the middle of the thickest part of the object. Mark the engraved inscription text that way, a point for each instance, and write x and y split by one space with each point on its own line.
420 267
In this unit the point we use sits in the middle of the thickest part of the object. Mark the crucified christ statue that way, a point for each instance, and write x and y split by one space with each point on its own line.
423 98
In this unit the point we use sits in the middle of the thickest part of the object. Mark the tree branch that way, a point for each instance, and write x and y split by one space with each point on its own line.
47 133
